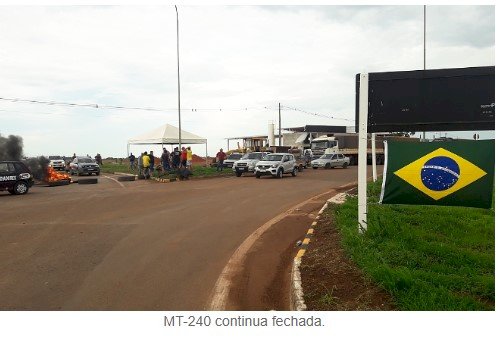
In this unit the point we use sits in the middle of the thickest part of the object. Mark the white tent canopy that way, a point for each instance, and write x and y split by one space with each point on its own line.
166 135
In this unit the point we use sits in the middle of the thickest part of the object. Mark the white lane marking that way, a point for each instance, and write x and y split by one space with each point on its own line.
119 183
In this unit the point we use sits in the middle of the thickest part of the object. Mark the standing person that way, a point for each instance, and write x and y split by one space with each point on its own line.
165 159
176 158
98 159
151 165
73 157
132 161
183 157
146 163
220 160
141 164
189 158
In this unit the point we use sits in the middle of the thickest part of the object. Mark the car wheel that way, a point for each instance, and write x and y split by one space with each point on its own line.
98 173
328 166
238 174
295 170
21 187
257 175
279 173
345 165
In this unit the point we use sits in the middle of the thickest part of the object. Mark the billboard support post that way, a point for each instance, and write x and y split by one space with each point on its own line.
362 166
373 156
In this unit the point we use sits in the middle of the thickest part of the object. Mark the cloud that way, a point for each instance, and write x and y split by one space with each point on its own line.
231 58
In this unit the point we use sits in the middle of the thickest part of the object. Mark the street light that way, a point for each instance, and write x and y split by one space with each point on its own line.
178 86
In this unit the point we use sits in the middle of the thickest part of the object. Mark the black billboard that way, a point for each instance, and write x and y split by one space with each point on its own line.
455 99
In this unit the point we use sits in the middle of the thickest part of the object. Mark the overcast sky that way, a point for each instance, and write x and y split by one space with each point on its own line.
236 64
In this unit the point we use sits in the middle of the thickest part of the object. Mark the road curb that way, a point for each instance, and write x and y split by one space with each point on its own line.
297 300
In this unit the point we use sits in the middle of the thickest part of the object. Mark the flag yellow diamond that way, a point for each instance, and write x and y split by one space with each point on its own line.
440 173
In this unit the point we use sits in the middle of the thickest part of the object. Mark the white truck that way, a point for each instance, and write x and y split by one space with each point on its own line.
347 144
247 163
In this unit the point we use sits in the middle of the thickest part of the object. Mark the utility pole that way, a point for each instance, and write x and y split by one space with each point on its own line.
178 86
280 124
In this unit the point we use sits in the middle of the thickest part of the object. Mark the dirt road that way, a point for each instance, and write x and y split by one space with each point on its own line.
136 245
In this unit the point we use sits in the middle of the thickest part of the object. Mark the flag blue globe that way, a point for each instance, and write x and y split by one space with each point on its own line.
440 173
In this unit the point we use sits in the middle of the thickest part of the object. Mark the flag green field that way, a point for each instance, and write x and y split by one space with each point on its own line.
452 173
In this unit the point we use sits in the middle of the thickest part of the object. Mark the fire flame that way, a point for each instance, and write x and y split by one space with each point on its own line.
54 176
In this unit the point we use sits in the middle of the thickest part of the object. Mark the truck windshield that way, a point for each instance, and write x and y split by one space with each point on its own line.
234 156
319 144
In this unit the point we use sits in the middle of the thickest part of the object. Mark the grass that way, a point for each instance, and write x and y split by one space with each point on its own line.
197 171
426 257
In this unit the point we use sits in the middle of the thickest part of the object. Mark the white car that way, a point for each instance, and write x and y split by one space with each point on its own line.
331 160
247 163
277 164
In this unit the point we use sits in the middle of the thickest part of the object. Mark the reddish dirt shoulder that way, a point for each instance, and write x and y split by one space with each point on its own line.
331 280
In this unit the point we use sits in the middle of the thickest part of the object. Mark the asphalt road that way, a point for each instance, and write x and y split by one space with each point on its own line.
138 245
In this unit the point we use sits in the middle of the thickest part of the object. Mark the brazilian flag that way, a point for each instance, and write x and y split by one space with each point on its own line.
452 173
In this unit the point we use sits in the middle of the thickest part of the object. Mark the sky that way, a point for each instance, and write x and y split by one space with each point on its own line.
237 63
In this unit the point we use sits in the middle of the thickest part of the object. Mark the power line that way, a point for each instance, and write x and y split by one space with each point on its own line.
154 109
313 113
101 106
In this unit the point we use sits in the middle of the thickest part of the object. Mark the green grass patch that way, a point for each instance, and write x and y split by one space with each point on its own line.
426 257
111 167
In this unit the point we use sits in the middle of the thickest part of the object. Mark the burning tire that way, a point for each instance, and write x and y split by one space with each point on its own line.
88 181
126 178
59 183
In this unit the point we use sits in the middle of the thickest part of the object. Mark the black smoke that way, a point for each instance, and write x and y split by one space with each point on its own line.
11 148
38 167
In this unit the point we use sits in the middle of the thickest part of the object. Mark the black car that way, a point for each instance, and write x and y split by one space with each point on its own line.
15 177
84 165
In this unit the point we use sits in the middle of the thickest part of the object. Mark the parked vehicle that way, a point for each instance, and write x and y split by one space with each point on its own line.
57 163
231 159
84 165
330 161
301 157
347 144
277 165
15 177
247 163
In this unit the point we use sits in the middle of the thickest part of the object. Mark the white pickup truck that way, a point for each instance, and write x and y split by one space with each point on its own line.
247 163
57 163
277 164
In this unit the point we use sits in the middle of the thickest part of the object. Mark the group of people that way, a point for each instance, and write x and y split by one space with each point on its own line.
145 163
169 160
